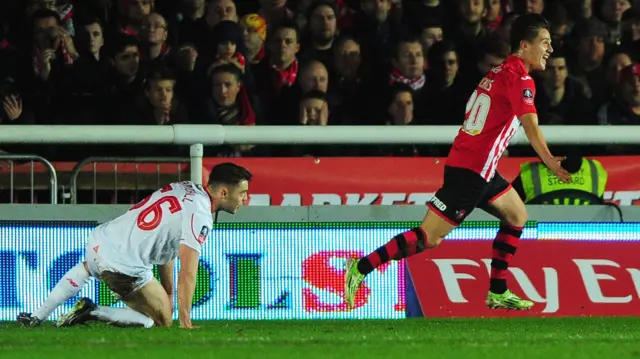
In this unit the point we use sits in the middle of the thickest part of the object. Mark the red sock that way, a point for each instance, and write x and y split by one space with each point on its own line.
504 248
401 246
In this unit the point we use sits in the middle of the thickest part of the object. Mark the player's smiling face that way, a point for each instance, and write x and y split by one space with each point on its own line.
537 52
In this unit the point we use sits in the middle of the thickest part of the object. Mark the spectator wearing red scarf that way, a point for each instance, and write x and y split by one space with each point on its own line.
132 13
228 103
276 76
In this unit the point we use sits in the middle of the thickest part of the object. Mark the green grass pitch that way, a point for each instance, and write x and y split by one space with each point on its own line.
513 338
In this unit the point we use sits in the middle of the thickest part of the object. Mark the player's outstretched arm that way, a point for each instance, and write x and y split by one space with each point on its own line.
186 284
534 134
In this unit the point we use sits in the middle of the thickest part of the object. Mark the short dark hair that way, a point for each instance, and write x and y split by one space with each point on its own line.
159 74
120 42
228 173
526 27
317 3
44 14
397 88
226 69
87 20
287 24
438 50
405 39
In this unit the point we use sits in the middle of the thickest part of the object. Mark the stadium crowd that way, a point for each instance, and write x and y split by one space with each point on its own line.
304 62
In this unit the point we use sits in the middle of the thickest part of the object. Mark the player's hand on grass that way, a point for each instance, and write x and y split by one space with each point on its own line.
185 323
555 166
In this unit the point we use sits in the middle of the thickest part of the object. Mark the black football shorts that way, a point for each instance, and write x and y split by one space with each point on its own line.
463 191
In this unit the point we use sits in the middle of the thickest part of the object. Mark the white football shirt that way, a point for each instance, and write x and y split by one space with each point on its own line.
151 231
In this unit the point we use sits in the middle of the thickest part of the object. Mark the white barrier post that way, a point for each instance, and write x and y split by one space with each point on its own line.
196 151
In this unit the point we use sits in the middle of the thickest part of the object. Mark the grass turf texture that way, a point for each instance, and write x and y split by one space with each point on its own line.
548 338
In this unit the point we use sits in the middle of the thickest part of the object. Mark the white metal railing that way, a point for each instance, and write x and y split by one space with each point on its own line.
53 177
198 135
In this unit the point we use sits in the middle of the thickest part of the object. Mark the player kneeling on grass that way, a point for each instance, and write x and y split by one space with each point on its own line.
173 221
502 101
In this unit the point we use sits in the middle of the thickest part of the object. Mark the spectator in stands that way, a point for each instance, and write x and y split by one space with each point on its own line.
88 87
276 12
400 112
313 76
155 51
623 109
228 103
408 67
444 100
313 110
189 17
618 61
191 11
469 32
533 6
197 29
255 35
558 19
276 76
221 10
560 100
493 15
52 57
157 105
322 29
91 38
228 45
631 33
408 64
430 32
132 14
587 65
351 86
376 32
54 51
611 12
128 78
417 12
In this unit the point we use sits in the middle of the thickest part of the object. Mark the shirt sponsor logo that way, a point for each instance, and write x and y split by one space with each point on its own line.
438 204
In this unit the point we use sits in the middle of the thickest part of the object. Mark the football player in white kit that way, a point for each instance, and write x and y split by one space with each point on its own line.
172 222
